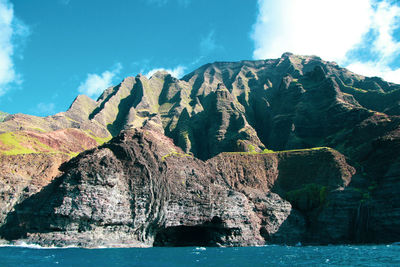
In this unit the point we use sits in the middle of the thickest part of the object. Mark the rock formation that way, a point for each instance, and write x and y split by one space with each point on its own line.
286 150
142 190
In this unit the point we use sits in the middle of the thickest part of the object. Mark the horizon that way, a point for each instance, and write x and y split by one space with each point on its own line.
53 52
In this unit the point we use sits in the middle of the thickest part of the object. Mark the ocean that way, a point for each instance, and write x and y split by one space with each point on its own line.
379 255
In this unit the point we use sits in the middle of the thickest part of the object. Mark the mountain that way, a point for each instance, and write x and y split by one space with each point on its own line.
287 150
287 103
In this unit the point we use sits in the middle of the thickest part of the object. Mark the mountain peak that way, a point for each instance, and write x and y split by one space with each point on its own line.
287 54
161 73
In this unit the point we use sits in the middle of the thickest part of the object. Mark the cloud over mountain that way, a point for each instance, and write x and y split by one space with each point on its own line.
335 30
176 72
95 83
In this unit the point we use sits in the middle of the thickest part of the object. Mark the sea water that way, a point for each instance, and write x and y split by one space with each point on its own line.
379 255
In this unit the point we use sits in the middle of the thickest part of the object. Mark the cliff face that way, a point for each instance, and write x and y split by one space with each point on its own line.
22 176
142 190
192 161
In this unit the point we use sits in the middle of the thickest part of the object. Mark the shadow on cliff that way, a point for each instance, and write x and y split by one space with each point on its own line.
32 215
103 103
132 100
291 232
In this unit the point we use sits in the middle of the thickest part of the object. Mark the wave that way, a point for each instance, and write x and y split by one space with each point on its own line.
22 244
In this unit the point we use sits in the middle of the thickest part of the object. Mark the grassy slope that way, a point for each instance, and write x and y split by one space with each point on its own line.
267 151
15 143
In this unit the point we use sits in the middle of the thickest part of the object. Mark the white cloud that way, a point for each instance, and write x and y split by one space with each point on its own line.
95 84
384 45
384 24
176 72
330 29
327 28
10 28
376 69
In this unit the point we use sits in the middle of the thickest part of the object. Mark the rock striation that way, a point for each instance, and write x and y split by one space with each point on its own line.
142 190
287 150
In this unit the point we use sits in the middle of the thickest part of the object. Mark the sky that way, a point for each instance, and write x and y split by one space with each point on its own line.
53 50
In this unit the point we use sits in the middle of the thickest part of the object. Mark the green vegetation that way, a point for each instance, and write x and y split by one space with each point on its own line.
99 140
365 195
73 154
309 197
251 149
268 151
305 149
351 88
38 130
3 115
185 135
70 119
174 153
366 192
12 144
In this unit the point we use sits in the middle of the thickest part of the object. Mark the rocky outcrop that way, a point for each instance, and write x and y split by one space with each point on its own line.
142 190
22 176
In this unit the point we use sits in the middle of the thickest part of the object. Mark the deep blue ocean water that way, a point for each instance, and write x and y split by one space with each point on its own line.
382 255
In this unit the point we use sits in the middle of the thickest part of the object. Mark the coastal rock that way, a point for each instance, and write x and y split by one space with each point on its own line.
22 176
142 190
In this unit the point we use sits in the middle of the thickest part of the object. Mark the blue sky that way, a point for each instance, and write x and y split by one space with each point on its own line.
52 51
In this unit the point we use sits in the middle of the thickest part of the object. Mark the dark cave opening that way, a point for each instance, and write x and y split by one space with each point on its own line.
211 234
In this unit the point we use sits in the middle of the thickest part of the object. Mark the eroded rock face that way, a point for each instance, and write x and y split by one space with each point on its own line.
22 176
142 190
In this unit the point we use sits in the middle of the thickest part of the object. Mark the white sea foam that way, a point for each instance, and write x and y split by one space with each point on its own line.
22 244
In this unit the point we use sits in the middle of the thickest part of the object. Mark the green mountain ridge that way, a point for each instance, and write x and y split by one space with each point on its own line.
292 102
